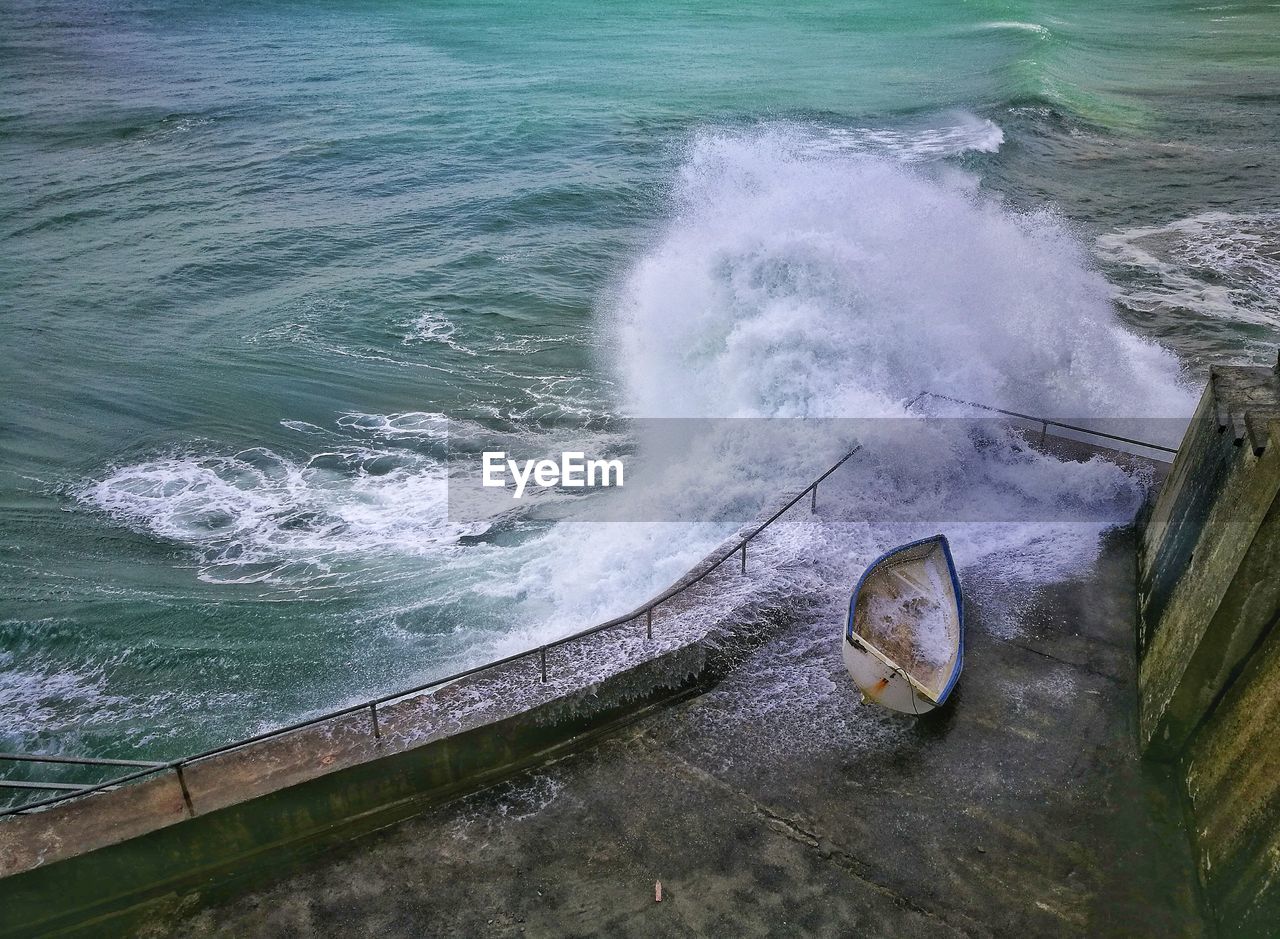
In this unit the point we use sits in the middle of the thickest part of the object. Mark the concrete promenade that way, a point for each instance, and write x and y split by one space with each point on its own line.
775 804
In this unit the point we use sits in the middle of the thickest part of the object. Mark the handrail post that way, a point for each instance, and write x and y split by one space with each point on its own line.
186 793
813 499
649 623
373 715
542 656
744 556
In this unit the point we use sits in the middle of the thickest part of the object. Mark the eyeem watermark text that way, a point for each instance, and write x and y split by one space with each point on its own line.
573 470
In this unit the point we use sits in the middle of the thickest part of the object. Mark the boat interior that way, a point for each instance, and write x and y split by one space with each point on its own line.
907 611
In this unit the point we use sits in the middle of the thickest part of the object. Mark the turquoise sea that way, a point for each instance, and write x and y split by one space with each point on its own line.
253 253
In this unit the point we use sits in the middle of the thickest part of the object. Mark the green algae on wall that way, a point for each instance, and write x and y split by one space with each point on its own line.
1209 642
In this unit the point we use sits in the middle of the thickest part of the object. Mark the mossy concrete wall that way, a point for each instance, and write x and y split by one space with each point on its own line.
1232 770
1208 643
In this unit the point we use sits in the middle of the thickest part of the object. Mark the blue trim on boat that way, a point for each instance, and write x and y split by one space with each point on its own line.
955 585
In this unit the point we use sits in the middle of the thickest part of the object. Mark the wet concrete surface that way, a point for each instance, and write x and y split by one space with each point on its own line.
776 804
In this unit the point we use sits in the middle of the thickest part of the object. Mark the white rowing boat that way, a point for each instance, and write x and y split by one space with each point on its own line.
904 641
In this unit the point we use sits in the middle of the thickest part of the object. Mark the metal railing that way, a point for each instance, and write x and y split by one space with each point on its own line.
1045 422
371 706
74 788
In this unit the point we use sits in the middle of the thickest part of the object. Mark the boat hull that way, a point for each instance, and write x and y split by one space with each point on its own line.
903 643
882 683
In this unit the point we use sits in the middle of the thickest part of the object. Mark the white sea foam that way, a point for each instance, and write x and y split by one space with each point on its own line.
412 425
41 694
946 135
431 326
1017 26
255 516
1214 264
789 284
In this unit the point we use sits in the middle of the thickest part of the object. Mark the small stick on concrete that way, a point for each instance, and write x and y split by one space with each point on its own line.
657 891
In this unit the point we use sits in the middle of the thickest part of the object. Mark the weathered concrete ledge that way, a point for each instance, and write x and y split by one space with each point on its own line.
1232 771
774 804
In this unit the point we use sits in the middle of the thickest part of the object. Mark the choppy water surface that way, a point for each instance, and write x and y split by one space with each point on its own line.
254 254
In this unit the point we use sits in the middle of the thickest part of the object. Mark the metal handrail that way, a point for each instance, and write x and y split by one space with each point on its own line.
75 760
372 705
1045 422
66 787
24 784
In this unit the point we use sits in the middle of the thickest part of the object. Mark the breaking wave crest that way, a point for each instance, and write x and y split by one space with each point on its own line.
1016 26
795 284
948 135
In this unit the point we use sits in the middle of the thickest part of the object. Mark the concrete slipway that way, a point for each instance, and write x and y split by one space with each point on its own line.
774 804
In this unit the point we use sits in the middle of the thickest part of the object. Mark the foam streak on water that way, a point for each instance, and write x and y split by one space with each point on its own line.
1215 264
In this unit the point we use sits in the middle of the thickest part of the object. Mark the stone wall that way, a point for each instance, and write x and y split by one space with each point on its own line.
1208 642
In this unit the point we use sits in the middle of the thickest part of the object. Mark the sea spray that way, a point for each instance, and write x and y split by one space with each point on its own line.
791 284
788 284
